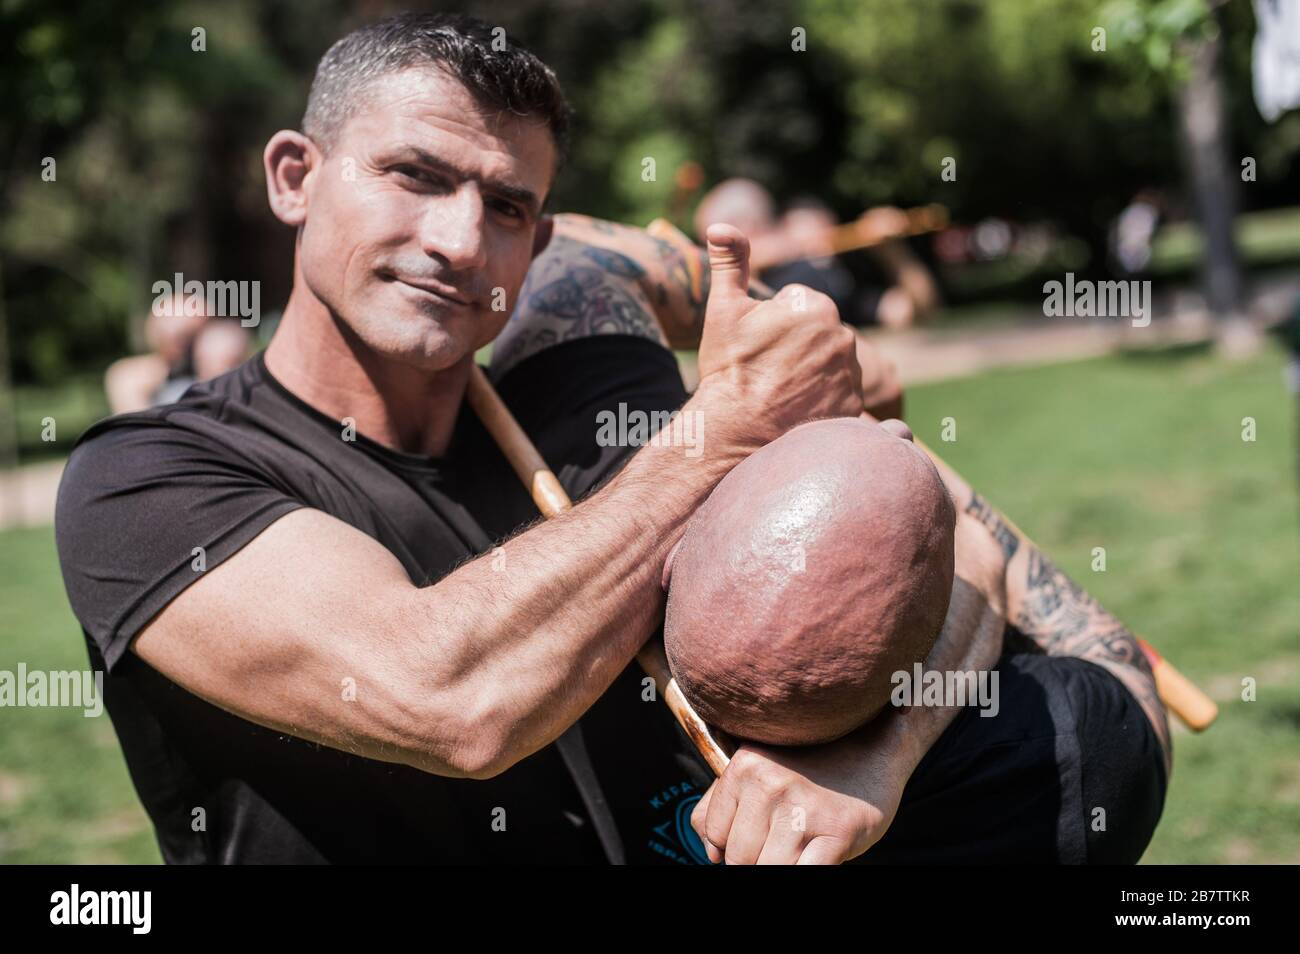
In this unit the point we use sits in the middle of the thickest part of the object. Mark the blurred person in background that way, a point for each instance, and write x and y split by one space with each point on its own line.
184 348
798 242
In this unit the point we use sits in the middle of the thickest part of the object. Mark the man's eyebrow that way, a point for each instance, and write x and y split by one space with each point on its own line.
525 197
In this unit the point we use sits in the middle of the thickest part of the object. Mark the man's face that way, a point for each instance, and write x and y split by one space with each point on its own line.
423 217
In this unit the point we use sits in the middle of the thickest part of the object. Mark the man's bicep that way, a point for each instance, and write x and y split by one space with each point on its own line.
304 630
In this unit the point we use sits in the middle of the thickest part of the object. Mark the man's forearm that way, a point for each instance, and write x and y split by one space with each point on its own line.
1061 619
1057 615
547 622
971 641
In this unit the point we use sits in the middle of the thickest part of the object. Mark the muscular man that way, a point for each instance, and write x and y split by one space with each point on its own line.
306 661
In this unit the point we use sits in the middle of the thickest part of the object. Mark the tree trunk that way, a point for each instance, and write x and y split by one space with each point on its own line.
1204 127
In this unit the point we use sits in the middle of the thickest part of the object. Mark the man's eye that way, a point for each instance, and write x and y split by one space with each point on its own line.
508 208
413 172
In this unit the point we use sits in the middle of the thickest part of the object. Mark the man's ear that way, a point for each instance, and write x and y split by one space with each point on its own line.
897 428
667 576
288 159
542 237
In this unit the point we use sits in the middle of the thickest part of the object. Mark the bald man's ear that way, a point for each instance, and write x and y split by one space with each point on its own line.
542 237
668 565
288 159
897 428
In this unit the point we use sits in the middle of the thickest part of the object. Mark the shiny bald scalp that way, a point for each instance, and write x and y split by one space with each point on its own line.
818 567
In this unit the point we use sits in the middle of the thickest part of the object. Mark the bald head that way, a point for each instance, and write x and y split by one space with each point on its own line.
817 568
739 202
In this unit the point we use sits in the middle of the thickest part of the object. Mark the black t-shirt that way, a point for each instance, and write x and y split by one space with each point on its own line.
142 491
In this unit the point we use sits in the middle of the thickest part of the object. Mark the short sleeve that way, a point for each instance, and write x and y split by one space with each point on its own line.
569 397
145 508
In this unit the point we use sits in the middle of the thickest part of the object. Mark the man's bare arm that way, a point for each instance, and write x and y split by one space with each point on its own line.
461 678
1057 615
597 277
665 272
496 660
648 290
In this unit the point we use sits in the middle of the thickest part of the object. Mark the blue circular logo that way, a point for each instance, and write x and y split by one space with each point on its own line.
692 842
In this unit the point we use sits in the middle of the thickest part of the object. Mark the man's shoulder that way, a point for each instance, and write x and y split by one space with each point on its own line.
145 445
203 400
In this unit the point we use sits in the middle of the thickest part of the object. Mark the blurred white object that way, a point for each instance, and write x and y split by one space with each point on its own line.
1134 231
1276 57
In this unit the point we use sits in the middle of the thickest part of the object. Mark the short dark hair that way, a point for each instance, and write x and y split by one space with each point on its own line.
499 72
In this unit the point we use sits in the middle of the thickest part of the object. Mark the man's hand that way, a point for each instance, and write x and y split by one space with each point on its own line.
767 366
821 804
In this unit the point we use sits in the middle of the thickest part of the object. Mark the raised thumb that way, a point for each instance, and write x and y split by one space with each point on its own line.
728 263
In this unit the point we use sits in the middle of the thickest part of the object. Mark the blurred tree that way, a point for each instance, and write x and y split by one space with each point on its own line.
158 145
1040 124
1183 45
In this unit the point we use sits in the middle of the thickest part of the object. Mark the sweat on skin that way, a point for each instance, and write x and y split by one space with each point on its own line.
818 567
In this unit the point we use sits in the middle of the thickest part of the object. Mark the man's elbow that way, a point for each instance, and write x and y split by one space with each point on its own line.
464 741
483 754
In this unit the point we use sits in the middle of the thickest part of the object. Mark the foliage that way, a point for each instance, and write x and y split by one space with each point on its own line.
158 147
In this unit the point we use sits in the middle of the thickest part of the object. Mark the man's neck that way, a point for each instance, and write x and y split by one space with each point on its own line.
320 362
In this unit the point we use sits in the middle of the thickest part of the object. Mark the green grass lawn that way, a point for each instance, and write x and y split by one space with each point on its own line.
1140 454
65 795
1263 238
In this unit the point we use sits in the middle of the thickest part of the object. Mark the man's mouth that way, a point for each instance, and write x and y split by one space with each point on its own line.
436 289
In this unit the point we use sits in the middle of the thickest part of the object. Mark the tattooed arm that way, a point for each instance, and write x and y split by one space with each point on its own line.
597 277
1061 619
664 271
1056 615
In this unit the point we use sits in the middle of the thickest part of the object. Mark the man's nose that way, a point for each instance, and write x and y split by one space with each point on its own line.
453 228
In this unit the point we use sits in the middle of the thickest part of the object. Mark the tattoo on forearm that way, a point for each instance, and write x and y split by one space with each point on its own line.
1063 620
1066 621
1006 537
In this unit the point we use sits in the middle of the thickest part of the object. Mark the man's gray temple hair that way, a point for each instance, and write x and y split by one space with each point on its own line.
502 75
